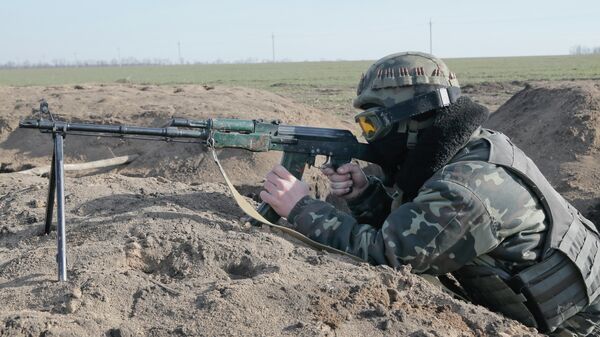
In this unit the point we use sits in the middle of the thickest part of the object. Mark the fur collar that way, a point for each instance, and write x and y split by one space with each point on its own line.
451 130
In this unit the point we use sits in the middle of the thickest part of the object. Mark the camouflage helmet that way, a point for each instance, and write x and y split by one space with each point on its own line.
400 77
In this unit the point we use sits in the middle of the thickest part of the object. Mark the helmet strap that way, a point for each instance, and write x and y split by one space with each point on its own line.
411 127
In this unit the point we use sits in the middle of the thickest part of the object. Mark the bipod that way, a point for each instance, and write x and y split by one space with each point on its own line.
57 189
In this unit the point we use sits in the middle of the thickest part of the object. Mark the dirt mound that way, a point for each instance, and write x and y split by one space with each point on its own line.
492 94
557 126
150 257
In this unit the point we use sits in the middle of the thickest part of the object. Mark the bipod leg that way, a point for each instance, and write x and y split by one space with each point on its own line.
59 174
51 194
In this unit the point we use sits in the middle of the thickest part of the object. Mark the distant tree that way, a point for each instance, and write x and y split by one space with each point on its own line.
582 50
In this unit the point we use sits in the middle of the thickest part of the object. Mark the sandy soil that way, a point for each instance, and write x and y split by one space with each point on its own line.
157 248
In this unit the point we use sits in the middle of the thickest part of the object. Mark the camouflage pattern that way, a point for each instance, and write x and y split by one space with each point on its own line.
469 212
586 323
470 209
373 206
401 76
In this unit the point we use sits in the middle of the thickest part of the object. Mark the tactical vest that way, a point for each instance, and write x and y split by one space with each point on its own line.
568 277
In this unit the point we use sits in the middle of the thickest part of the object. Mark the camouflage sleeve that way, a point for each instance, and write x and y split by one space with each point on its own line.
435 233
373 205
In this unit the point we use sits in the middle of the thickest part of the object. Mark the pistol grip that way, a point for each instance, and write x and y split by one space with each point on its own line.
336 162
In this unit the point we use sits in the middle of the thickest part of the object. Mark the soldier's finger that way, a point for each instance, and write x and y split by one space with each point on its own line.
282 172
342 185
341 192
269 199
270 187
328 171
347 168
339 177
274 179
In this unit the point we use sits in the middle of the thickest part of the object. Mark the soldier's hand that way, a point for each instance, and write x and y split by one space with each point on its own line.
348 181
282 190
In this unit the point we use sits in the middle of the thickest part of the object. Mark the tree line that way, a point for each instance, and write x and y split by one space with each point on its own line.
584 50
125 62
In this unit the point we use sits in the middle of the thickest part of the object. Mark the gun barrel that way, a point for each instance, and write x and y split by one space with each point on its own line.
190 123
59 126
217 124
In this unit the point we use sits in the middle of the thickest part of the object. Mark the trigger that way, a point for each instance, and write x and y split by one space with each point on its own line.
327 163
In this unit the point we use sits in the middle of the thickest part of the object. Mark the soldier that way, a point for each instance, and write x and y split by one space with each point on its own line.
468 202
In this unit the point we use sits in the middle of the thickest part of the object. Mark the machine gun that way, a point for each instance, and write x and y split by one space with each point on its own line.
300 146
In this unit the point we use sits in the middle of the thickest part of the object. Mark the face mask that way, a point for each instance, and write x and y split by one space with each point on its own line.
391 149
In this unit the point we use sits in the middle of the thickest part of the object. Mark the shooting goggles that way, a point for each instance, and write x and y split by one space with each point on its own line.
377 122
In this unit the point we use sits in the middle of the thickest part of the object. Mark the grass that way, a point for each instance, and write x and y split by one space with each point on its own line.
328 85
324 74
531 68
253 75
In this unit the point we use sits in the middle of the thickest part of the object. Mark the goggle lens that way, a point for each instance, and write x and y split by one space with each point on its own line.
368 127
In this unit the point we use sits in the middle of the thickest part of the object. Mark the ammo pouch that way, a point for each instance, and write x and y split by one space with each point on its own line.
541 296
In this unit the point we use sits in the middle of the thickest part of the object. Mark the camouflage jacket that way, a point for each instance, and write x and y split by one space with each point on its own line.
470 211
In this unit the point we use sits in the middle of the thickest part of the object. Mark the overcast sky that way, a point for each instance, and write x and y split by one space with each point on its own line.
304 30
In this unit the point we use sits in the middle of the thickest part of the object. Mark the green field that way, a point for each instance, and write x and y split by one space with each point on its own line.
324 74
327 84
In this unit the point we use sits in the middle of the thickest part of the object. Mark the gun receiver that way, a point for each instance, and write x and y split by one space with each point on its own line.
300 144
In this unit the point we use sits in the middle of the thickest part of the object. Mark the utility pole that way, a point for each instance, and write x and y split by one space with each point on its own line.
179 52
430 37
119 55
273 45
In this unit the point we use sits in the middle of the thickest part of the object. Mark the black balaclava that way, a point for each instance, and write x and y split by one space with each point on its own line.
392 149
451 129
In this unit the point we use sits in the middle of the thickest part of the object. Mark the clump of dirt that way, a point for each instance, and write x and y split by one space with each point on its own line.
557 125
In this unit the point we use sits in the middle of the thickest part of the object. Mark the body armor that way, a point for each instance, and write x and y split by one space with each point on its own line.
566 280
